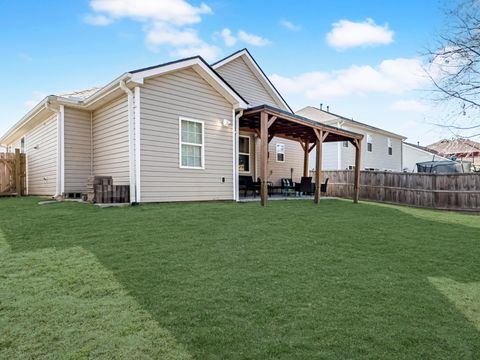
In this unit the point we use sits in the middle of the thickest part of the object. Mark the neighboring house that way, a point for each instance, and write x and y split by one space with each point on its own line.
381 149
459 149
169 131
414 154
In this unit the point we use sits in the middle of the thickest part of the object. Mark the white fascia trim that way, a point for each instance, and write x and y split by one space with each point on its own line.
137 144
258 73
142 75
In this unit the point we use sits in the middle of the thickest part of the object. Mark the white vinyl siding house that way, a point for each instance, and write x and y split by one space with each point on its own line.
167 131
164 100
110 141
413 154
78 149
339 156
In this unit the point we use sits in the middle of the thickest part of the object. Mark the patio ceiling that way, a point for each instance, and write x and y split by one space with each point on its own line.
294 127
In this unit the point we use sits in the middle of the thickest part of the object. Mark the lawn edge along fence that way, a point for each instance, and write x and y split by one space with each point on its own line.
12 173
437 191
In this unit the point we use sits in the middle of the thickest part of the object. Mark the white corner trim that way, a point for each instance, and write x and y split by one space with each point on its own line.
236 179
131 141
180 118
137 144
62 150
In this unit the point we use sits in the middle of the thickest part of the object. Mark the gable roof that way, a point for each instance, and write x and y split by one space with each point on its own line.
257 71
328 116
455 146
90 99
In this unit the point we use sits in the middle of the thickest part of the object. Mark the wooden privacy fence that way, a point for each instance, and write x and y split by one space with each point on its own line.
12 173
438 191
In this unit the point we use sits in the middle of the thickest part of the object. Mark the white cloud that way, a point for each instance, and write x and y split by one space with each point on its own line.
252 39
97 20
289 25
178 12
227 37
390 76
208 52
161 33
165 23
409 105
347 34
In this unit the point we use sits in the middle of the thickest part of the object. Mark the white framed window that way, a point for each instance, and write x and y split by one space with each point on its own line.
390 148
345 144
369 143
244 154
191 145
22 145
280 152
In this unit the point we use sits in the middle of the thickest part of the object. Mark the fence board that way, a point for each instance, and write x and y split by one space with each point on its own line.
452 191
12 174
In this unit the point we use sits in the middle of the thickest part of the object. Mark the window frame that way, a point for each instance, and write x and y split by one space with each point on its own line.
369 143
22 145
249 155
389 147
180 143
276 152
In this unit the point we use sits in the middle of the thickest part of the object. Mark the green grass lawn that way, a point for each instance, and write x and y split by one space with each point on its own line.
237 281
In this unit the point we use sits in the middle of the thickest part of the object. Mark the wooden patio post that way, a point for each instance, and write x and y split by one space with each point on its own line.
356 184
318 166
305 158
263 157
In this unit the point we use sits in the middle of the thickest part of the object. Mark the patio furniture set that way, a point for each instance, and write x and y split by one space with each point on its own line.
287 186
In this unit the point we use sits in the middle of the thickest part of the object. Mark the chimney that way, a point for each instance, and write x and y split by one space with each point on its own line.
328 108
321 106
418 143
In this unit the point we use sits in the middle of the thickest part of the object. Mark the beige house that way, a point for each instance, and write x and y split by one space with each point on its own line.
171 132
381 149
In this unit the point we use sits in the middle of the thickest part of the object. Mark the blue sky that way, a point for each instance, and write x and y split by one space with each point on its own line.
362 58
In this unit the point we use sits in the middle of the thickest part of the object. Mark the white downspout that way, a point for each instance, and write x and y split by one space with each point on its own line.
60 183
131 142
236 131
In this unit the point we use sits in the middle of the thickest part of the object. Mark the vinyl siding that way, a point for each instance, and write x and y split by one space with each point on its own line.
78 149
110 141
241 77
378 158
413 155
162 101
280 170
42 162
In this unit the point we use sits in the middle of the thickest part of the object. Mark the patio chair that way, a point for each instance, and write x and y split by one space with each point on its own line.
323 187
246 184
288 186
305 187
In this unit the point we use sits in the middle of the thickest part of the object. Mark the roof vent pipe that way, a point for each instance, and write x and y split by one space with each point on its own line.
328 108
321 106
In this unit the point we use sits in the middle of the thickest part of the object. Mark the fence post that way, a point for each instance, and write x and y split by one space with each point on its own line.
18 179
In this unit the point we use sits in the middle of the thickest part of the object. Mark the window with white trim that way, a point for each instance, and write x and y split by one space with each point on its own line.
390 148
22 145
244 154
191 144
369 143
345 144
280 151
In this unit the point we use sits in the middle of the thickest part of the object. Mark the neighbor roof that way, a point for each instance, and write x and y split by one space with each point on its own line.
455 146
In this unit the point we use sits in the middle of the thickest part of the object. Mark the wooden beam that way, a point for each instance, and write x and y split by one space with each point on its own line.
318 168
312 147
258 133
325 134
356 184
305 158
263 157
317 133
272 120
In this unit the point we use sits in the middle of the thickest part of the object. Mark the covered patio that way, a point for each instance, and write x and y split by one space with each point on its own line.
269 122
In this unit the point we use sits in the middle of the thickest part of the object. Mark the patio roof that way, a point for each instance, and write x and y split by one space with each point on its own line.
294 127
269 122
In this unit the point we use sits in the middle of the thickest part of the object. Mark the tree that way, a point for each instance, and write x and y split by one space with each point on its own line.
454 63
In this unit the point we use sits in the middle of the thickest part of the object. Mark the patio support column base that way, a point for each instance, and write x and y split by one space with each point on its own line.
263 158
318 166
